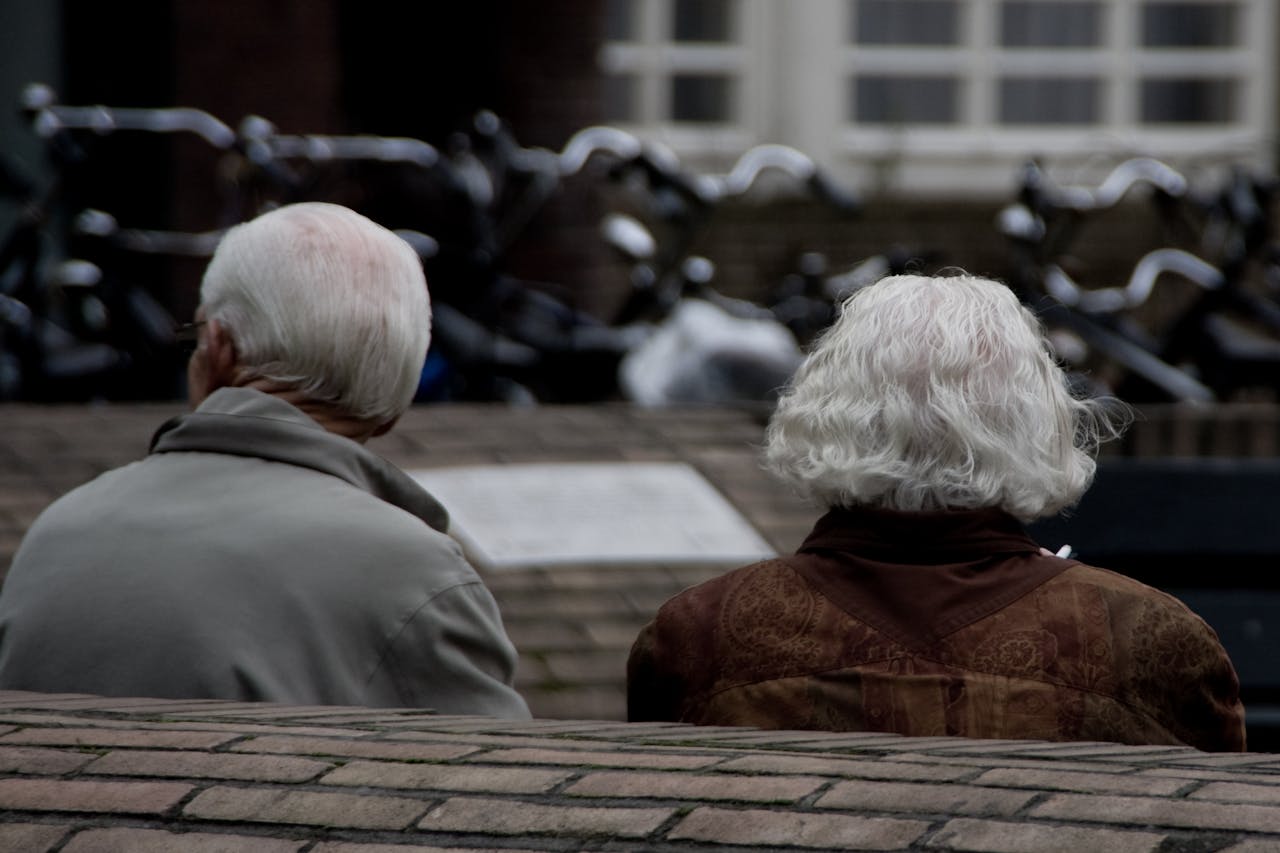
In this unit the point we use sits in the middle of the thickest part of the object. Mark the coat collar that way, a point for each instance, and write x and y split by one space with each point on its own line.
927 537
248 422
919 576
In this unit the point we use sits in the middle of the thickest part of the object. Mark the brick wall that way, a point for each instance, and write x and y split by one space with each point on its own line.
89 773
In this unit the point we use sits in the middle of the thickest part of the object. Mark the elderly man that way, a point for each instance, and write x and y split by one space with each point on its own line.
930 422
260 552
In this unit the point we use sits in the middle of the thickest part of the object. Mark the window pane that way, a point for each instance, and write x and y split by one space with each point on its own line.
888 99
1196 100
1068 24
1190 24
1049 100
619 97
703 20
620 20
935 22
700 97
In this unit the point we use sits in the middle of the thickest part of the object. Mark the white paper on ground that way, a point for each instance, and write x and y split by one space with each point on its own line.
519 515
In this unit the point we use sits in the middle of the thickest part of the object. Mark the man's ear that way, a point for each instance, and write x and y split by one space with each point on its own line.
385 428
221 358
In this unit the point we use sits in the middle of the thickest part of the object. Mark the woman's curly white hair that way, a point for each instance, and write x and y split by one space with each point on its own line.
936 393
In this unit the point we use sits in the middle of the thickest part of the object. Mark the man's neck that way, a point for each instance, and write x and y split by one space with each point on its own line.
329 416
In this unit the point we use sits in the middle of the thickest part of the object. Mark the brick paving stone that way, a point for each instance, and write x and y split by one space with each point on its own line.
699 734
771 829
30 837
256 710
75 795
47 701
447 777
600 702
1230 759
35 761
400 724
1091 783
891 770
609 577
466 726
350 847
989 746
538 726
397 750
71 702
543 636
1211 775
1235 792
375 719
1019 763
177 707
311 808
1155 811
514 817
670 760
193 765
770 738
587 666
243 728
633 732
130 840
43 718
492 741
984 836
921 798
104 737
610 635
1105 751
719 786
891 743
564 604
594 730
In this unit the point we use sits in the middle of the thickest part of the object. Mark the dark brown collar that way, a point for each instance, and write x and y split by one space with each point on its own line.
919 576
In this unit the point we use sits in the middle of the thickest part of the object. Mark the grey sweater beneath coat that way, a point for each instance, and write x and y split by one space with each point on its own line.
253 555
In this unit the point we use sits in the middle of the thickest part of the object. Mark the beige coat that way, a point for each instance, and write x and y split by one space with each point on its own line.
255 556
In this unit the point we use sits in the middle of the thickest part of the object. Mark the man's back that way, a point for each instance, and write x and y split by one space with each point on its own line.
254 556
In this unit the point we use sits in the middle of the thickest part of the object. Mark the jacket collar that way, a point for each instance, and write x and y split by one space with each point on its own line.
920 576
947 536
248 422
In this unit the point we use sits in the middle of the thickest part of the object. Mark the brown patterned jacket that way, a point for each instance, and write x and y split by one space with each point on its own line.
938 623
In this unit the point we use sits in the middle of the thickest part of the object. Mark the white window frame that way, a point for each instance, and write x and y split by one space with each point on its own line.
793 63
653 60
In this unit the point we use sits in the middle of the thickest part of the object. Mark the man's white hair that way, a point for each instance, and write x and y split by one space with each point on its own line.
936 393
319 298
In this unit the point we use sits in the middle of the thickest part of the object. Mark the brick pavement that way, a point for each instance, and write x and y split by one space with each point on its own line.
82 774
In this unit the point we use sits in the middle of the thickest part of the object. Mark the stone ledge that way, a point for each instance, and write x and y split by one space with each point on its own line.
84 773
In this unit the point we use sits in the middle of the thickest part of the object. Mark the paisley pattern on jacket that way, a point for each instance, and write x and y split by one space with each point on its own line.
937 624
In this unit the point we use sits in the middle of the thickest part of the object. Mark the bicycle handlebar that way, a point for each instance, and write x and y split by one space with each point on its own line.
592 140
49 117
795 164
1109 300
1114 186
754 161
375 148
98 223
263 143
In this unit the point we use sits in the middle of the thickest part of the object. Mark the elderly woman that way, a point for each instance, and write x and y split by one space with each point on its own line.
931 422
